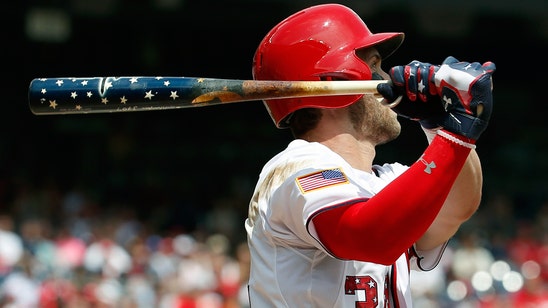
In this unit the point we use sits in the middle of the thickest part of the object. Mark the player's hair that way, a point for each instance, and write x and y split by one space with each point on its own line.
303 120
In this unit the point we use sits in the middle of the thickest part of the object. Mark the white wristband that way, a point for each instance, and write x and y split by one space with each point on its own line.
456 140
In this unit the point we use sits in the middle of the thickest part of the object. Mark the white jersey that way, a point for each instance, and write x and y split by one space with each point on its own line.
290 267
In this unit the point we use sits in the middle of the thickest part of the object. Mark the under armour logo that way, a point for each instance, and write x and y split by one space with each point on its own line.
429 165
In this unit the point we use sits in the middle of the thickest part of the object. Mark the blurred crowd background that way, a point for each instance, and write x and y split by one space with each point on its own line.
147 209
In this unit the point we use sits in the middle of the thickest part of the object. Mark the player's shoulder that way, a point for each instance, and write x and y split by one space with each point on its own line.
303 147
302 157
303 152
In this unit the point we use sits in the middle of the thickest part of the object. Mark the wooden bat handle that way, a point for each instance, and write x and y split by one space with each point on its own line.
122 94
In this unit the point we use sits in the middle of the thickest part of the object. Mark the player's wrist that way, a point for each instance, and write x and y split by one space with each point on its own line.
430 133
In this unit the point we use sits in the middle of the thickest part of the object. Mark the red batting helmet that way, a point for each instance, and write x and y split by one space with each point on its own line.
318 43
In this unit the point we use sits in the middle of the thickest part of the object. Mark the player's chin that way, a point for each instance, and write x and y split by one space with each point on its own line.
391 128
389 133
391 113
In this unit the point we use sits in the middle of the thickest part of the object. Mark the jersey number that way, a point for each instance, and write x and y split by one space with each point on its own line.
365 289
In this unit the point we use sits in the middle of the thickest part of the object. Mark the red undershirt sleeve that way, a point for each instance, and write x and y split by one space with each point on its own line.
381 228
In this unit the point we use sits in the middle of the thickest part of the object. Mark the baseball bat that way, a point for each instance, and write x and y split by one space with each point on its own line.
122 94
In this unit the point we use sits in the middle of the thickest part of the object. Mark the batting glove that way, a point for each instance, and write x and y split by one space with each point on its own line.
466 92
414 85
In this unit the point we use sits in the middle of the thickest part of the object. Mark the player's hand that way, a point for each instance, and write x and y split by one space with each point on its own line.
466 92
414 85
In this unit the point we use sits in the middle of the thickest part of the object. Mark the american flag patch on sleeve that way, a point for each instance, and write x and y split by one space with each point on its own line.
321 179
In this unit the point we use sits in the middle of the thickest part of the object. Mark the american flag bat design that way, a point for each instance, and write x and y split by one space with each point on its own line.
125 94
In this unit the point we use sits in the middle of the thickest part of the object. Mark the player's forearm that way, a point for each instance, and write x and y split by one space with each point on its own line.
462 202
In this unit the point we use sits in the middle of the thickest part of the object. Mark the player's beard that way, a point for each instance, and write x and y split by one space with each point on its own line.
376 122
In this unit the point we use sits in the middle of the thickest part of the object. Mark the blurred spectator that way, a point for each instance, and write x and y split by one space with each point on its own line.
524 245
533 294
163 261
37 241
11 246
104 255
141 291
470 257
19 290
58 292
70 252
196 281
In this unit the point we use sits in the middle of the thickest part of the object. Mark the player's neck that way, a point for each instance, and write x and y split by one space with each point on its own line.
358 154
338 134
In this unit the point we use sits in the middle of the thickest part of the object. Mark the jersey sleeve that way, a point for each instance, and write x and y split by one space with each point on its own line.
305 193
311 190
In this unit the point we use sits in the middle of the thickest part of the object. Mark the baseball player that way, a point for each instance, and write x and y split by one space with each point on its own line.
329 228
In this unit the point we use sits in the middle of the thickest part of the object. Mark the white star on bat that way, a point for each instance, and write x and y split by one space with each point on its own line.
159 77
166 83
174 95
89 94
59 82
123 99
43 91
78 107
149 95
108 85
53 104
104 100
133 80
84 83
73 95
